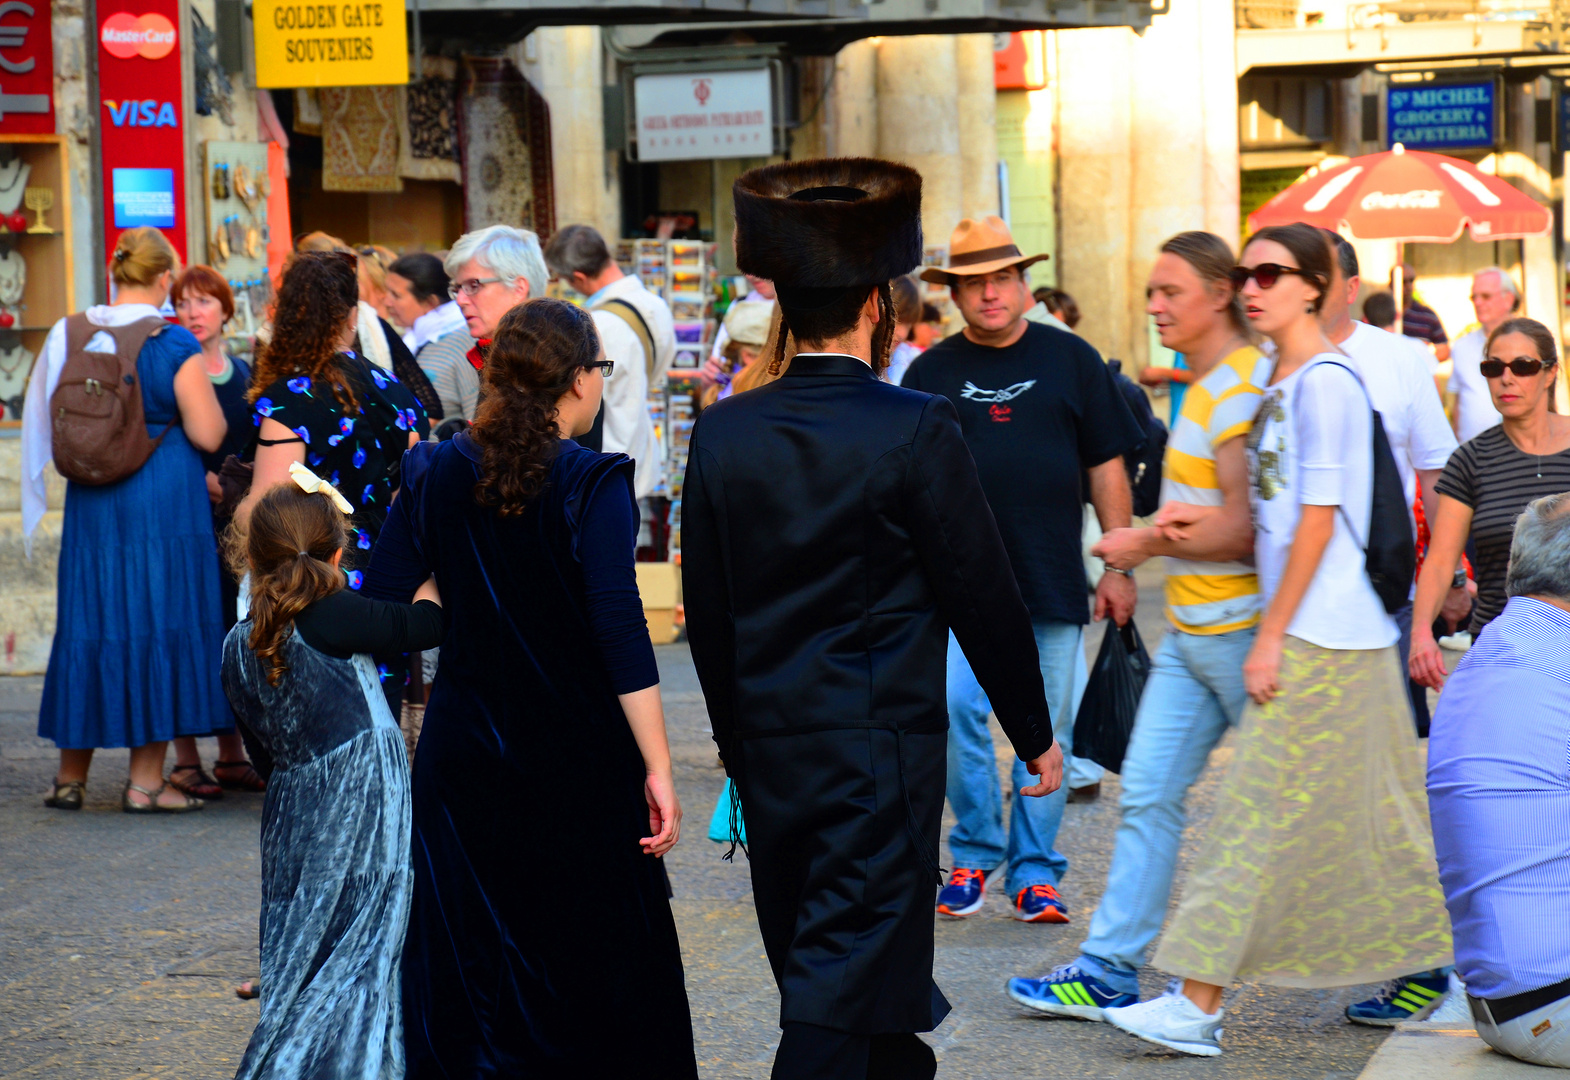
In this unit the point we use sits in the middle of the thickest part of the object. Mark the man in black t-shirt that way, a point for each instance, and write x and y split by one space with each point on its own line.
1038 408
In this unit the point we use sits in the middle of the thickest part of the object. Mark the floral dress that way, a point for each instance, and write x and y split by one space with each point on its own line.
358 454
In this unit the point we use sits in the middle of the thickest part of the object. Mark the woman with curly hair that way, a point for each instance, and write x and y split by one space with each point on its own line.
544 727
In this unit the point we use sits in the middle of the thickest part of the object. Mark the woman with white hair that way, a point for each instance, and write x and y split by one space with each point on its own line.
493 270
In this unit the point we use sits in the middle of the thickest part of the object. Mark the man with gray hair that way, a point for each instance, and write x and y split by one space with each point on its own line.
493 270
639 337
1495 298
1499 796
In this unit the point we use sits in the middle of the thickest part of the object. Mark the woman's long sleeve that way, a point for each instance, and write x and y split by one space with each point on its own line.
346 623
608 532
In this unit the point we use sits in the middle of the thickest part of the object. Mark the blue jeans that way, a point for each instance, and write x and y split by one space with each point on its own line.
1194 693
977 841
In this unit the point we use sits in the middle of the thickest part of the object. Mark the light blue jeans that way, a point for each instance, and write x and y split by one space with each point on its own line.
978 841
1194 693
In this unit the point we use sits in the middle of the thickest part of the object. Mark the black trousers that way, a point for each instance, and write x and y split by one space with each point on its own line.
810 1052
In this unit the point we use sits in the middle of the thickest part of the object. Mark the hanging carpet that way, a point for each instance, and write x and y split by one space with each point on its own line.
360 140
428 117
506 140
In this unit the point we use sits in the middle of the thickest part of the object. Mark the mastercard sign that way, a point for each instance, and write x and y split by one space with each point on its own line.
150 36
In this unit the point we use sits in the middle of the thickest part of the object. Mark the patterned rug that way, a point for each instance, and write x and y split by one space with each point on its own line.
360 138
428 116
505 134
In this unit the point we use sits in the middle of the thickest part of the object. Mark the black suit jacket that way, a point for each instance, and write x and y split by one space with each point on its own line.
833 530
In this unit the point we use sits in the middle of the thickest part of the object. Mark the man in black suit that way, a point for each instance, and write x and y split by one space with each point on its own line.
833 530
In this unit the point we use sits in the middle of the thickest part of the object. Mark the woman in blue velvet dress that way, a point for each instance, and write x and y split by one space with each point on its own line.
139 628
544 742
335 824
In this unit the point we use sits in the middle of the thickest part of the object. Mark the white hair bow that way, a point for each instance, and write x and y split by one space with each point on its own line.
314 484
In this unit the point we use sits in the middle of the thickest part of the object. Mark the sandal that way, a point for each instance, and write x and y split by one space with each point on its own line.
247 780
198 784
152 806
249 990
67 796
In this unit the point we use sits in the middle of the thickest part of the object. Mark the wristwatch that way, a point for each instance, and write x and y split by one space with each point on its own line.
1459 581
1125 573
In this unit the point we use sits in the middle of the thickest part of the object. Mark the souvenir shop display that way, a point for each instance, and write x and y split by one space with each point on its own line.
237 233
36 280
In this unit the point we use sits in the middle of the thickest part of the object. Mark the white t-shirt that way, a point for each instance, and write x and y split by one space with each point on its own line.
1474 404
1312 443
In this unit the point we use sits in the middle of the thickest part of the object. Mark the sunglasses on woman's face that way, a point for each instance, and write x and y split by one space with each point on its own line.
1267 274
1521 367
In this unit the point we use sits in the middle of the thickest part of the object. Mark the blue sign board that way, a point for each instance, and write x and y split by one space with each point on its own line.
1431 116
143 197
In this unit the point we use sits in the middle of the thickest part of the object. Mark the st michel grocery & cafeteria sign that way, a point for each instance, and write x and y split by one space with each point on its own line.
347 43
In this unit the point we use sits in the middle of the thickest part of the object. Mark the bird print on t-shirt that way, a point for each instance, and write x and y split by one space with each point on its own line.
972 392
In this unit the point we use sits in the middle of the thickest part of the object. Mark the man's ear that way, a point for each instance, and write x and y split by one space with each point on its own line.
872 309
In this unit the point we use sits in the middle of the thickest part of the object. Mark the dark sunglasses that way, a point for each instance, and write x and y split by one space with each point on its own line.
606 366
1521 367
1267 274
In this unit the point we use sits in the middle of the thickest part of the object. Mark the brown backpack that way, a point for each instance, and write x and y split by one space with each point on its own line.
99 434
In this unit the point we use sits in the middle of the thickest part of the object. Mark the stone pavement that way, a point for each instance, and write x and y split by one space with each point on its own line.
121 938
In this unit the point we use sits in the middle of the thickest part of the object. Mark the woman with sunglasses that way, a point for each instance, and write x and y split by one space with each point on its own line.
1318 869
544 735
1489 481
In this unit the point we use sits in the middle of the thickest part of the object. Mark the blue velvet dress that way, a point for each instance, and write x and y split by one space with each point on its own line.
526 774
336 878
139 629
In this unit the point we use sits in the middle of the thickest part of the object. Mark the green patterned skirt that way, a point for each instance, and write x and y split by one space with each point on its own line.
1318 869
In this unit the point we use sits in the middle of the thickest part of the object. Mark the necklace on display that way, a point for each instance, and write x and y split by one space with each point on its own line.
13 181
13 278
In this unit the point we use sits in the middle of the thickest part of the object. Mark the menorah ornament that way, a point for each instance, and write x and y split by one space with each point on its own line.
38 200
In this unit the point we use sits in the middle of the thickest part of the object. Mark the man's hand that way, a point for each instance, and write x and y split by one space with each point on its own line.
1123 549
1048 768
1116 596
1458 604
711 371
1175 519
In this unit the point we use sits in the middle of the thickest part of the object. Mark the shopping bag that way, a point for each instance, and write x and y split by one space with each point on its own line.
719 823
1106 712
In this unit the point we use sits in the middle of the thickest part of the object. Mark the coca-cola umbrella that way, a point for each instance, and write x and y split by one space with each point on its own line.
1408 196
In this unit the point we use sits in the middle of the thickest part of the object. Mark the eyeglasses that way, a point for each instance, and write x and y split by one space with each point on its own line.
470 287
1267 274
1521 366
606 366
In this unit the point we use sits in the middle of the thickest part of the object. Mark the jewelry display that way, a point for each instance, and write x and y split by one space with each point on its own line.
13 277
38 200
221 181
13 181
15 364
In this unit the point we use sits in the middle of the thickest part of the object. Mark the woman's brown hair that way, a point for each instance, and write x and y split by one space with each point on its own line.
207 282
141 256
536 355
315 298
287 548
758 373
1539 335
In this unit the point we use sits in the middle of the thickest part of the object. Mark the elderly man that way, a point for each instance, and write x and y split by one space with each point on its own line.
1499 796
493 270
637 334
1039 410
1494 298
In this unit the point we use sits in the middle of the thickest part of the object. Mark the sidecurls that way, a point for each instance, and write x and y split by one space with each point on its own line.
535 357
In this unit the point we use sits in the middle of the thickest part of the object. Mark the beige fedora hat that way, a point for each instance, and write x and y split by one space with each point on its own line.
979 247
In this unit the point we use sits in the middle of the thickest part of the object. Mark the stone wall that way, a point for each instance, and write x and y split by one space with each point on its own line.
27 585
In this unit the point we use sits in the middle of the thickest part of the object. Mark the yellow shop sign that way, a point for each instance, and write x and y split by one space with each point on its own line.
347 43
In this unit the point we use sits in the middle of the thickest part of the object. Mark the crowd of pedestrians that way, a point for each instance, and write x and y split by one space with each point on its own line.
883 548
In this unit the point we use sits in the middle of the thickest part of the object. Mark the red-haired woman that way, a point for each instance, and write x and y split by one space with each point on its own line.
547 693
204 303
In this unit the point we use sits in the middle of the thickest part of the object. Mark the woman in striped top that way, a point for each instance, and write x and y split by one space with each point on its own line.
1489 481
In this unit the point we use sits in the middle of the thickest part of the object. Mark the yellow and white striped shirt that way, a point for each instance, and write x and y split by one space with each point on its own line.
1212 597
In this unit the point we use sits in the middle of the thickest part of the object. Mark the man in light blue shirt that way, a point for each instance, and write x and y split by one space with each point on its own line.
1499 795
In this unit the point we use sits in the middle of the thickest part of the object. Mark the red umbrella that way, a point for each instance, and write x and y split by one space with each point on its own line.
1410 196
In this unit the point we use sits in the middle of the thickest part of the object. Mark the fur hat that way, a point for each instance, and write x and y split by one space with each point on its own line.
829 223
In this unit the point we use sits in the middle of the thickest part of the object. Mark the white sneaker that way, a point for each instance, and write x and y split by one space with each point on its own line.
1455 1009
1173 1021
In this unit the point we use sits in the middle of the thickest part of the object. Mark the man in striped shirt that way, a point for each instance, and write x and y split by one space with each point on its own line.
1195 690
1499 795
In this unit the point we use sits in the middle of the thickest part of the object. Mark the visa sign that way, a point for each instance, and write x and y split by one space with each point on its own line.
141 114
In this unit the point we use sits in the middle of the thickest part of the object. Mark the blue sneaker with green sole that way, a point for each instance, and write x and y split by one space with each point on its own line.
1068 991
1412 997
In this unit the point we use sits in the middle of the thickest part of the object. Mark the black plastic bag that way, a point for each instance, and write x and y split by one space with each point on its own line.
1106 712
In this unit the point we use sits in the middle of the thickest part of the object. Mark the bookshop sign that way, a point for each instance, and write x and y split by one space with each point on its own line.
1433 116
682 116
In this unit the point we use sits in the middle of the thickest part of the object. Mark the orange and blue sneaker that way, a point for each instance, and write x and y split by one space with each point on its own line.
1068 990
964 893
1040 903
1412 997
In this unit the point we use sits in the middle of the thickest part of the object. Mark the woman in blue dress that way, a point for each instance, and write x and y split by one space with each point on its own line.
138 632
544 738
335 824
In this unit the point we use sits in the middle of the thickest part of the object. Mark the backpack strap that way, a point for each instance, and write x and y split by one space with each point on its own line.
1363 544
634 320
